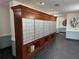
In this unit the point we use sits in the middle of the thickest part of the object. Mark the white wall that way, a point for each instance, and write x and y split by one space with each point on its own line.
61 21
69 17
59 25
57 22
4 19
72 33
5 33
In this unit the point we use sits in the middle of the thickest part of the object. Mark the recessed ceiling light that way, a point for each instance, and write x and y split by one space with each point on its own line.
42 3
56 4
51 9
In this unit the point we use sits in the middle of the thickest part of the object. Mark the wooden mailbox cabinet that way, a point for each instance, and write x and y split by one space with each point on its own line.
33 31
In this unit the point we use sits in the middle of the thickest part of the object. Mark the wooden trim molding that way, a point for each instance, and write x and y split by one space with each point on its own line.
31 13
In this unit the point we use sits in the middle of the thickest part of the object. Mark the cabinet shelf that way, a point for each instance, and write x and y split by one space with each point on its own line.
40 44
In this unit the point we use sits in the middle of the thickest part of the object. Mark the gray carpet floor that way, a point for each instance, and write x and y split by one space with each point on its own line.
62 48
6 53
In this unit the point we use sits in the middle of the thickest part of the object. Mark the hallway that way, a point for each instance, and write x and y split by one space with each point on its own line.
61 49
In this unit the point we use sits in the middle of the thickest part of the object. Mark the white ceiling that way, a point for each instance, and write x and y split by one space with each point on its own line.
65 5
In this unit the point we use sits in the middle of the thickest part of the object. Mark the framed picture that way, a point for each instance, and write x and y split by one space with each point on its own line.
64 23
74 22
